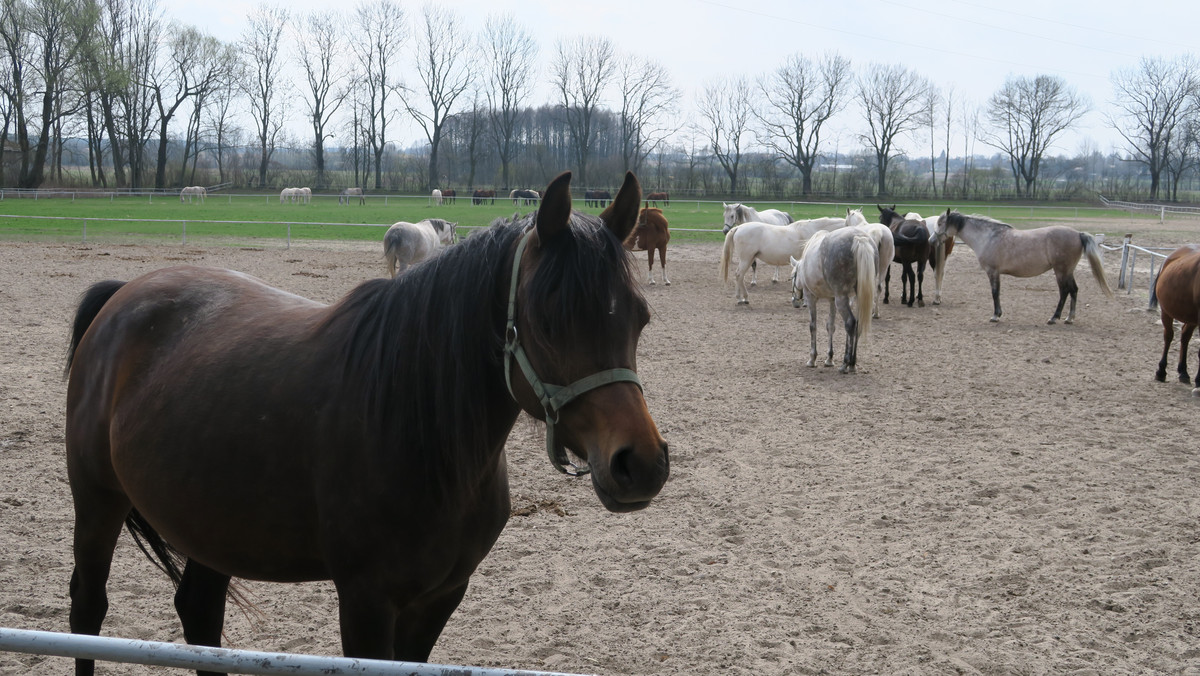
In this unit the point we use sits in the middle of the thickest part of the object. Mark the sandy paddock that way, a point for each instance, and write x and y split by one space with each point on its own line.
978 498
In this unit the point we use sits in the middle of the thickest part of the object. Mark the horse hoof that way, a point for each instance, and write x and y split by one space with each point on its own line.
667 283
811 362
774 281
1183 379
1162 378
920 303
1196 392
828 362
743 302
753 283
994 319
1068 320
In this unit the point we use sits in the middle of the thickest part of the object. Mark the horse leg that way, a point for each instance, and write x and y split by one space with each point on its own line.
812 334
1184 338
739 278
1168 333
99 516
754 269
829 324
920 283
650 257
1064 290
366 618
994 278
851 323
908 286
775 277
417 629
1073 289
200 603
662 263
887 283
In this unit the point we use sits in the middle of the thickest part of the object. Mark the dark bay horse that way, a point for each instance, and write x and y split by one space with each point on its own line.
656 197
597 198
1177 294
242 431
651 234
1003 250
479 196
911 239
448 195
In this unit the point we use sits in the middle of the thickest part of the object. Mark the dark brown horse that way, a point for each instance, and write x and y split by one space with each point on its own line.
448 195
597 198
479 196
911 238
1177 294
651 233
658 197
242 431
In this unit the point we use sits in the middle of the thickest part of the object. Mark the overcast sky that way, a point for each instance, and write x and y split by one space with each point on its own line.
969 45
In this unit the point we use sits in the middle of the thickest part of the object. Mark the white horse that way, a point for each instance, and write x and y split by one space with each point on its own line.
344 197
736 214
772 244
436 196
193 192
304 195
406 244
882 235
838 265
287 195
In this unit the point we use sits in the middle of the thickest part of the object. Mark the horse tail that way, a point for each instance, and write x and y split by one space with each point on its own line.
89 306
866 259
1093 255
391 245
726 253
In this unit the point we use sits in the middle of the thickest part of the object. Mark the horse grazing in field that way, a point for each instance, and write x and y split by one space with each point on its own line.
449 195
838 265
597 198
436 197
911 240
287 195
406 244
304 195
239 430
1004 250
770 243
656 198
193 192
651 234
526 197
345 195
1177 294
479 196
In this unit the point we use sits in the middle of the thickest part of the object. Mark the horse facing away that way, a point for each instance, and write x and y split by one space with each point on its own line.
772 244
436 197
650 234
1177 293
406 244
911 240
240 430
838 265
1004 250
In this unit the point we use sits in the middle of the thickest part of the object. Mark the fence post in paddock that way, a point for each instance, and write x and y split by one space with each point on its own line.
182 656
1132 267
289 236
1124 260
185 233
85 231
1162 214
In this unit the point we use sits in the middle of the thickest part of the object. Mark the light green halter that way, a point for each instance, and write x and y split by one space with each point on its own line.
552 397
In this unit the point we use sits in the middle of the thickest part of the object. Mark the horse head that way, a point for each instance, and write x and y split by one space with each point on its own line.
576 307
854 217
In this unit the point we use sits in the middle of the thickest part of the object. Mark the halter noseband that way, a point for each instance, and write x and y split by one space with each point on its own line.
552 397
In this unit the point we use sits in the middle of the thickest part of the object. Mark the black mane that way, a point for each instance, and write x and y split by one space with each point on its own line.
438 328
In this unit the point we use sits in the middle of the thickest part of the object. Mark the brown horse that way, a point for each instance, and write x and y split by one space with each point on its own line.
656 197
479 196
239 430
1177 293
651 233
448 195
911 238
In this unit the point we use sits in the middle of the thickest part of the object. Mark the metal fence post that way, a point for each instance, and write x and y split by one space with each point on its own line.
289 236
1132 267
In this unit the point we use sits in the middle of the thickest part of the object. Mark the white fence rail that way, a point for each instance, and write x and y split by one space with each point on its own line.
1146 207
159 654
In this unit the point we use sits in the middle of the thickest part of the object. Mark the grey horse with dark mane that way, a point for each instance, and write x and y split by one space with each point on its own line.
1004 250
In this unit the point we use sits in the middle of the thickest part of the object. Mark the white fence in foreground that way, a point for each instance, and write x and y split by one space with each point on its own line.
154 653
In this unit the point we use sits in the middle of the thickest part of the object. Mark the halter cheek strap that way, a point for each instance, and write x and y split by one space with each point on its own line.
552 397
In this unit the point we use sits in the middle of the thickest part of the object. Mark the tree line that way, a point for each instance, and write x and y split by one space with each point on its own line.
154 103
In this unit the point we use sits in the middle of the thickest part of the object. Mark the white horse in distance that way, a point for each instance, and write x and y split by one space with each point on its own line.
406 244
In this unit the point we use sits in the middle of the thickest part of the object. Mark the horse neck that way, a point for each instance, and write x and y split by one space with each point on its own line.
978 234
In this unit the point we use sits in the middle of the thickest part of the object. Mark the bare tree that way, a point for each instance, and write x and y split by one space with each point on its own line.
725 109
1184 154
222 131
318 46
381 32
264 84
802 96
217 70
1151 100
891 98
442 46
647 100
581 71
929 106
511 52
949 120
1026 116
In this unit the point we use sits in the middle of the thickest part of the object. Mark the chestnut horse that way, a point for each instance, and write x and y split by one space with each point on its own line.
239 430
656 197
1177 294
651 233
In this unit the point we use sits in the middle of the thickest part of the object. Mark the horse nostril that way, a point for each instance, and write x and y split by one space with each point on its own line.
620 468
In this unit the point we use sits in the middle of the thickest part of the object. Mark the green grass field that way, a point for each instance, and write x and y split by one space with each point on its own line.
249 217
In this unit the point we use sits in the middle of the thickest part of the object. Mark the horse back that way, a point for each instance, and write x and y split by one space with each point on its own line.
1178 285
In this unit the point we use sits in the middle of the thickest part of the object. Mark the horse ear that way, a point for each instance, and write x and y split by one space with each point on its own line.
622 214
879 208
554 212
